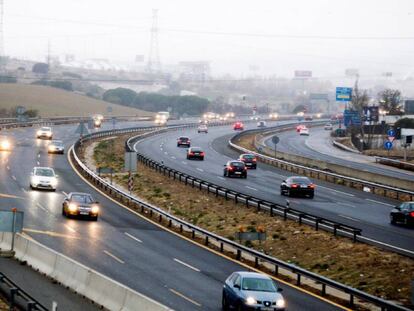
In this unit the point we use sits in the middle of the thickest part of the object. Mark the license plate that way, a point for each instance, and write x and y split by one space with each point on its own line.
248 164
304 186
84 213
266 309
196 153
238 173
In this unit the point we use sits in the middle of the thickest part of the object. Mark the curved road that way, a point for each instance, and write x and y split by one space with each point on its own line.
363 210
319 146
121 245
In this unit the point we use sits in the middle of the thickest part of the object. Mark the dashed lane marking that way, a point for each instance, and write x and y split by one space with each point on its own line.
200 169
114 257
349 194
132 237
380 202
183 162
14 178
185 297
345 204
248 187
350 218
186 264
51 233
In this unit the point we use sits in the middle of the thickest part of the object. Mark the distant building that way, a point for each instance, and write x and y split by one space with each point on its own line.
196 71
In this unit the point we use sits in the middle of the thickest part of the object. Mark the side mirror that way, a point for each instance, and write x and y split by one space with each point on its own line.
31 174
398 207
284 181
56 176
96 202
236 286
224 165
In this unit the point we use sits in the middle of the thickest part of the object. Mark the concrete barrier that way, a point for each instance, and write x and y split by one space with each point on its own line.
97 287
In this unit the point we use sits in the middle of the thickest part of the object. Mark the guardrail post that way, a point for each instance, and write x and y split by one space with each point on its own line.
351 300
225 194
272 206
285 211
276 272
13 293
238 257
181 228
236 198
170 223
298 279
206 240
256 262
221 247
160 218
317 220
193 234
300 218
335 228
247 201
31 305
323 289
217 191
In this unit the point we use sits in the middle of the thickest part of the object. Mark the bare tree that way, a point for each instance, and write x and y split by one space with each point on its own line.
390 101
359 100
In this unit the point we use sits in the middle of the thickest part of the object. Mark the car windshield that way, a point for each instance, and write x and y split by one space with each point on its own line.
82 198
184 138
237 164
259 285
44 172
300 180
248 156
57 143
45 128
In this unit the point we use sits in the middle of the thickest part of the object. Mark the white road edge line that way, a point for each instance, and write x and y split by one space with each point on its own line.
349 194
380 202
70 228
200 169
183 162
64 193
219 177
114 257
132 237
172 157
14 177
185 297
42 207
38 163
186 264
347 217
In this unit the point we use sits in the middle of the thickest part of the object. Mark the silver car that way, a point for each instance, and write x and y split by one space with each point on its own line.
56 146
252 291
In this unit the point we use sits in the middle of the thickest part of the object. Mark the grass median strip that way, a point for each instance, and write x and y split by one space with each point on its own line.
381 273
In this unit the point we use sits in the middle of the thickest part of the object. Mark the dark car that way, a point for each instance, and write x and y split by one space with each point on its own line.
252 291
80 204
183 141
56 146
195 153
249 160
235 168
297 185
403 213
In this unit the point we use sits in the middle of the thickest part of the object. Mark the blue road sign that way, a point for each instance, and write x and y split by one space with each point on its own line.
6 221
351 117
388 145
391 133
343 94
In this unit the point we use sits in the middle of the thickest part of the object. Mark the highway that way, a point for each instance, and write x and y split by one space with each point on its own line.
319 146
121 245
350 206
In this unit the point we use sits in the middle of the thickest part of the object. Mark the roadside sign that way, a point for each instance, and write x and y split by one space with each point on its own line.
343 94
391 138
275 140
371 114
391 132
81 129
11 221
351 117
388 145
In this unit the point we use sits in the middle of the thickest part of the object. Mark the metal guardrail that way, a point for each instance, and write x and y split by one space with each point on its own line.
208 237
317 172
17 297
396 163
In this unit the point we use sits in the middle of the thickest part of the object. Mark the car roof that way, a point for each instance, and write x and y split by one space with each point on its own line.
43 167
183 137
245 274
79 193
57 141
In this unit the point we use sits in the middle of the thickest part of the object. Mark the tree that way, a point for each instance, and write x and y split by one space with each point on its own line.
120 95
359 100
407 123
42 68
390 101
299 108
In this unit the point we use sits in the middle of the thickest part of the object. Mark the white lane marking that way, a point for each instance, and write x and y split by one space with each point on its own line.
38 163
389 245
219 177
14 177
185 297
350 218
186 264
345 204
172 157
183 162
248 187
349 194
200 169
8 167
380 202
165 152
42 207
132 237
38 155
24 190
70 228
64 193
114 257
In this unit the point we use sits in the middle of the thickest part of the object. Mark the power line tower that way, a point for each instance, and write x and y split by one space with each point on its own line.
2 60
154 63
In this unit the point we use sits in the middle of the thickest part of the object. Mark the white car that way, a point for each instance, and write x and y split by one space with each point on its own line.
304 131
261 124
56 146
43 178
328 127
45 132
202 128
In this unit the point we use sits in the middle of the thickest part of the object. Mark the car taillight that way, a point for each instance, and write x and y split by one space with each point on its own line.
243 160
202 153
191 153
245 168
230 168
254 160
412 214
294 186
312 186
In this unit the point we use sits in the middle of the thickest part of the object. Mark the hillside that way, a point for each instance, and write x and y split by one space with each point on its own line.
55 102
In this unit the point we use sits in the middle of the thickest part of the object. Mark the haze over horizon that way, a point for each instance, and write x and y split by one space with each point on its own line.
273 37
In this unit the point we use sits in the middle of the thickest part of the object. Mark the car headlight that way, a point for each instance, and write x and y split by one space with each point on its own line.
250 301
35 179
39 133
49 133
54 182
280 303
95 209
52 148
5 144
73 207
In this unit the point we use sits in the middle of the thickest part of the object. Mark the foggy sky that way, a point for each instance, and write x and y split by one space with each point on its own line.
276 36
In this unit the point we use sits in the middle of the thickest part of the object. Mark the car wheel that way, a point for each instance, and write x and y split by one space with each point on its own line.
281 191
224 303
224 173
31 187
311 196
94 218
244 176
288 193
63 211
393 222
202 159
